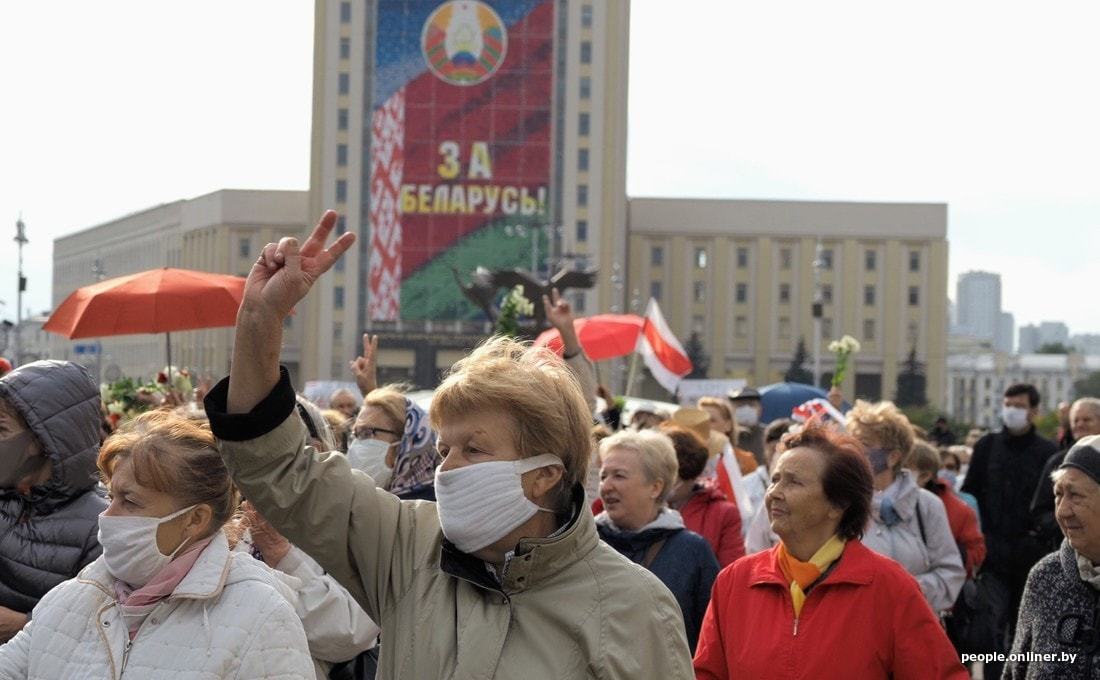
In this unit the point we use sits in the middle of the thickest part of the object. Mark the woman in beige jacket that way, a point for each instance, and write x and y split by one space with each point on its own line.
505 576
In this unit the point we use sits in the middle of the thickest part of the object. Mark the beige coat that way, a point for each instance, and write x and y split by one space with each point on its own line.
569 606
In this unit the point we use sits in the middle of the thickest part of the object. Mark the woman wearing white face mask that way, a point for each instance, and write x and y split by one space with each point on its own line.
394 444
505 576
167 598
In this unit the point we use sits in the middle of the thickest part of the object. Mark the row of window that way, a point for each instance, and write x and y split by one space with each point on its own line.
786 257
741 292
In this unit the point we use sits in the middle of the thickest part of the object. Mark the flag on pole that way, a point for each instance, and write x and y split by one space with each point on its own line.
662 352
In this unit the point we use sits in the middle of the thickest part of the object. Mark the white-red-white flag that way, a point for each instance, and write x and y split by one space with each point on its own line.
662 352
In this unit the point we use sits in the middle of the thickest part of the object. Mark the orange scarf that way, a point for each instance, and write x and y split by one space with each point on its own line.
803 574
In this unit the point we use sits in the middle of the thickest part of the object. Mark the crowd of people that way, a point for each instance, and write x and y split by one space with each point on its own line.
515 529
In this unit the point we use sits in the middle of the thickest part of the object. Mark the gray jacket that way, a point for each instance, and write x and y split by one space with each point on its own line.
1058 608
50 535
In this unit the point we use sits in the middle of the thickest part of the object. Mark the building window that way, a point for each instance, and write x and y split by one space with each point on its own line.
655 290
345 12
582 160
914 332
827 294
826 258
656 256
742 258
586 52
582 195
741 326
342 119
826 327
784 327
582 230
579 303
785 258
343 83
586 87
700 258
914 260
338 297
341 264
741 292
784 293
700 291
914 296
868 329
341 155
586 16
337 330
341 225
341 191
583 123
869 295
869 260
345 48
244 247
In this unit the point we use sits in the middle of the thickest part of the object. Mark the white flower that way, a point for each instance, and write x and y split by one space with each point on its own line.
850 344
834 346
115 408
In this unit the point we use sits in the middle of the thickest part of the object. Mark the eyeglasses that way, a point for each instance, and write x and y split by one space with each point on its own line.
371 432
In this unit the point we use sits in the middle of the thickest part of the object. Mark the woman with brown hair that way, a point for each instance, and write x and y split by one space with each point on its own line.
168 596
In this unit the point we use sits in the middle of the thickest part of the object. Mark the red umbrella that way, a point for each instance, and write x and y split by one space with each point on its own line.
156 301
603 336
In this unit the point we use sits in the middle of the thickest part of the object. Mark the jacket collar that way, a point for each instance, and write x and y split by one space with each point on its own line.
535 559
854 567
205 580
905 495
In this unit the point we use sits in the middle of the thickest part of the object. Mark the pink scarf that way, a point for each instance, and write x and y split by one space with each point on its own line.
136 604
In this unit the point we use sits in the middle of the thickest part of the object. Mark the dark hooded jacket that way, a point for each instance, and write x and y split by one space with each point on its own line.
49 535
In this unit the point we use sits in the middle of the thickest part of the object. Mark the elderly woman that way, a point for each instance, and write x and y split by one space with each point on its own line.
722 422
392 442
909 524
820 604
167 597
503 577
923 462
638 473
703 507
1058 628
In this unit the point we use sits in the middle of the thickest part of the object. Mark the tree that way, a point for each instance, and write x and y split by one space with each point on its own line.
911 382
700 362
1089 386
1055 348
797 372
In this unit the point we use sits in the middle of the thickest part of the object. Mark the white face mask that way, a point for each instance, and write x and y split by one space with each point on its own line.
1014 417
130 546
481 503
745 416
369 455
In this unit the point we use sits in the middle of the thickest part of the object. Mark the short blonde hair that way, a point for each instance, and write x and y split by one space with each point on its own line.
535 388
923 457
655 452
881 424
391 402
724 406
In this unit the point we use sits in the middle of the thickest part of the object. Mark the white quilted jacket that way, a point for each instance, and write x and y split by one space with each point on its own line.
225 620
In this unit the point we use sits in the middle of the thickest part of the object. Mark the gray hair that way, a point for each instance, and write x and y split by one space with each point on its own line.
655 452
1091 402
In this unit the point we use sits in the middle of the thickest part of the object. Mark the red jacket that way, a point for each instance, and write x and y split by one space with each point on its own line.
964 527
710 515
867 619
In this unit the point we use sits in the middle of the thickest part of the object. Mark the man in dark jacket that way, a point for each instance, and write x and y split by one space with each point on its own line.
746 411
1084 419
1004 471
49 510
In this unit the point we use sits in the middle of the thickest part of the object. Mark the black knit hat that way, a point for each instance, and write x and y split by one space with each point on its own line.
1085 456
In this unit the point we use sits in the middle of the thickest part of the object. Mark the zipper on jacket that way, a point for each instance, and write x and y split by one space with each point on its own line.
125 655
795 627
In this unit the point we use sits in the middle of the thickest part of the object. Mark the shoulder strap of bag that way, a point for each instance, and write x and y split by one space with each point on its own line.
651 552
920 523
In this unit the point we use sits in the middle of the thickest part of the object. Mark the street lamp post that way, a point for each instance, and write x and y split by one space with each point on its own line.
20 238
818 310
99 273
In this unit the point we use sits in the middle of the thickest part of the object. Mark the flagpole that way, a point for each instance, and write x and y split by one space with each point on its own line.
630 375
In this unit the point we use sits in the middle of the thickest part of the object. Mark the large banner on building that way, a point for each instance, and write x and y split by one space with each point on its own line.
460 148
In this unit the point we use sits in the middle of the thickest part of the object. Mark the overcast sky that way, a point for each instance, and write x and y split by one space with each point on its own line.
990 107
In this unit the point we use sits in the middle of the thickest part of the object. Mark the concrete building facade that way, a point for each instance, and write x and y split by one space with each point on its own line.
221 232
740 274
978 300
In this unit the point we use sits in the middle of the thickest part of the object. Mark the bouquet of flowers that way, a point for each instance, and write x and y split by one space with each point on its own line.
843 349
128 398
512 308
181 380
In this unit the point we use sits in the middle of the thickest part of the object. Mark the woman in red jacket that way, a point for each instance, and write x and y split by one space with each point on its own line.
820 605
924 461
704 509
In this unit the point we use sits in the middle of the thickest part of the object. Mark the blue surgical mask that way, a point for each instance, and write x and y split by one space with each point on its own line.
950 476
879 459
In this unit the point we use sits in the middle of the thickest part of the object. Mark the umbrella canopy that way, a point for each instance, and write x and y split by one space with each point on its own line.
779 399
603 336
156 301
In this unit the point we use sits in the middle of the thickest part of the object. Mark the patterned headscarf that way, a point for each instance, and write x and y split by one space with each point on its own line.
417 459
